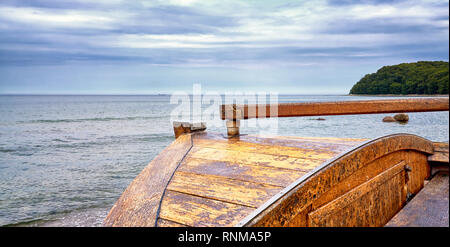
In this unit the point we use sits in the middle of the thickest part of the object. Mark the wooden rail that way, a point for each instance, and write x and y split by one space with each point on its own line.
234 113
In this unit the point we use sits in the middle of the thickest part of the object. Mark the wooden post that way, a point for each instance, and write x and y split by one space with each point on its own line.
233 127
233 114
180 128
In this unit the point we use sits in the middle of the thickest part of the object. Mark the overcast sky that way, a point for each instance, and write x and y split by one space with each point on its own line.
141 47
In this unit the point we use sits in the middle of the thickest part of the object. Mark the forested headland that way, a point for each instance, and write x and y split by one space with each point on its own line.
423 77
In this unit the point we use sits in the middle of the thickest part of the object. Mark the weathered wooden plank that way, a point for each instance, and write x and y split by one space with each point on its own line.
331 140
310 144
417 173
429 208
264 149
306 145
442 157
246 172
280 161
197 211
292 200
420 170
168 223
338 140
139 203
336 108
221 188
372 203
360 176
440 147
300 219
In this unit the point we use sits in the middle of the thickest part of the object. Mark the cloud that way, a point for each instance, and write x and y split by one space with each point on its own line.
51 18
64 4
222 34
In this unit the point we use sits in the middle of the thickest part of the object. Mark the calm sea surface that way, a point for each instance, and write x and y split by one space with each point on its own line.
65 160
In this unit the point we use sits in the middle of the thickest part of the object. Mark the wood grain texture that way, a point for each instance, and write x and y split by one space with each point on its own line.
240 174
304 143
291 202
337 108
197 211
329 140
372 203
440 153
242 146
442 157
440 147
429 208
240 157
360 176
420 170
245 172
139 203
168 223
223 189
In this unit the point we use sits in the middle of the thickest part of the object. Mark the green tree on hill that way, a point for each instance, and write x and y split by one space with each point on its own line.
422 77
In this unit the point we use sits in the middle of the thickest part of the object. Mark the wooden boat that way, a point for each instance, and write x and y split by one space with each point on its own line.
212 179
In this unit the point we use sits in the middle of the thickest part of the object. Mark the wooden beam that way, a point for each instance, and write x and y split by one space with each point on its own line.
232 112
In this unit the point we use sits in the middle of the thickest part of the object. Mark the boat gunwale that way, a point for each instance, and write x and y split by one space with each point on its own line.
158 211
123 207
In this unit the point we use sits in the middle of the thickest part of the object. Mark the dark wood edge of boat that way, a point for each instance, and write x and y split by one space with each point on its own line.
140 203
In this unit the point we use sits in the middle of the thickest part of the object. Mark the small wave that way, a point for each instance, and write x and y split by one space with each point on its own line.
90 119
82 217
27 222
55 140
3 150
19 150
75 146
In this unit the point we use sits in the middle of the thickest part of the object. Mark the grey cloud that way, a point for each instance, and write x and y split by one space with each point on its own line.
55 45
377 25
353 2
